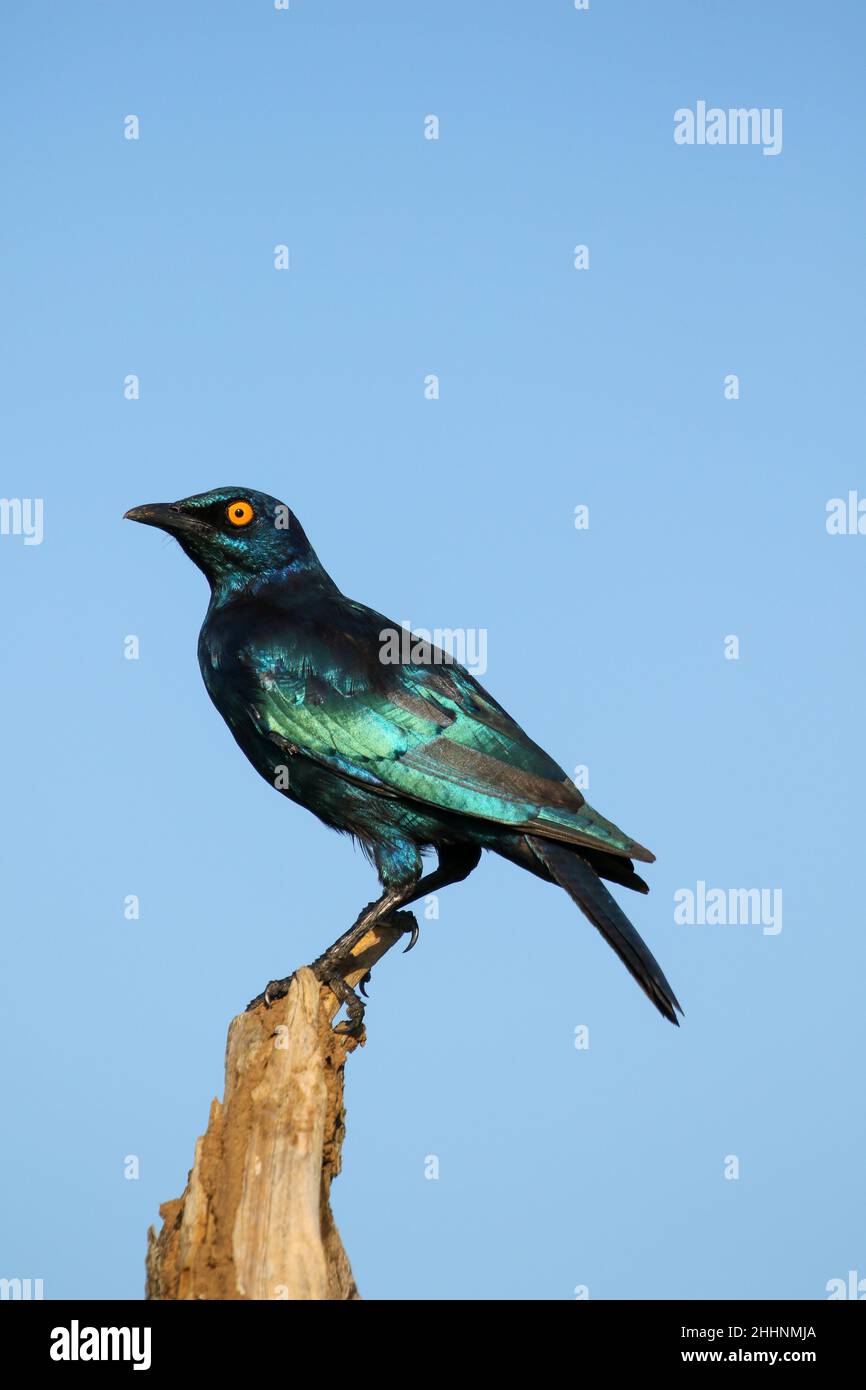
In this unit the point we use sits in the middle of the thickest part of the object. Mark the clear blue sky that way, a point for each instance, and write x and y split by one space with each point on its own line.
559 387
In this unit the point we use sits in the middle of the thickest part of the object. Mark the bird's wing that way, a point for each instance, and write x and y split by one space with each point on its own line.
429 733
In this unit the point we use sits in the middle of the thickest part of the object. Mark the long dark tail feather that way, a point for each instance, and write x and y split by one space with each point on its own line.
583 886
614 868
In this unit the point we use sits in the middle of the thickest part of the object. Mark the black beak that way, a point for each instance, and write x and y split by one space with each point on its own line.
168 516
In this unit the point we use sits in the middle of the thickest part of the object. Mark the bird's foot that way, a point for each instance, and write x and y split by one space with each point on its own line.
272 991
408 924
332 967
327 972
336 963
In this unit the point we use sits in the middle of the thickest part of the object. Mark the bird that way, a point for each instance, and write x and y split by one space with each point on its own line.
408 754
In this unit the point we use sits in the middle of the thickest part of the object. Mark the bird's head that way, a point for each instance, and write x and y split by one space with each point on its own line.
232 533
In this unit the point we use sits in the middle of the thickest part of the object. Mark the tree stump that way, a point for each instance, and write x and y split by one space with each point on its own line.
254 1221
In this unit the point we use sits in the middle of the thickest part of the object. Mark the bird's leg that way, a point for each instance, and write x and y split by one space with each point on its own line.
331 968
334 964
456 862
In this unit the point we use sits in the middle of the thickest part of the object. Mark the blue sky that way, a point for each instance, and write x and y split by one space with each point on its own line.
558 1167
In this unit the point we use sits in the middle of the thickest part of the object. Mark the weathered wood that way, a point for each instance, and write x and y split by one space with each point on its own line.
255 1219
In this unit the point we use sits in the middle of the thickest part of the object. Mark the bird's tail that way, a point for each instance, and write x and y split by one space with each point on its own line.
582 884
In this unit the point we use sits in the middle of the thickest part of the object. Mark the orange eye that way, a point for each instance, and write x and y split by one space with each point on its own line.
239 513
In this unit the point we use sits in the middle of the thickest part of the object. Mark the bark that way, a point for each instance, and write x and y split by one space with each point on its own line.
254 1221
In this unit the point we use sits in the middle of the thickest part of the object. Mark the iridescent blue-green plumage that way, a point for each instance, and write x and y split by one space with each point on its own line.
407 756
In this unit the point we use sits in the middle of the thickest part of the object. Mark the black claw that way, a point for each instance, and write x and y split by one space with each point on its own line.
327 972
349 1028
274 990
416 932
363 983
